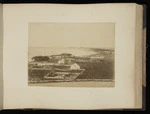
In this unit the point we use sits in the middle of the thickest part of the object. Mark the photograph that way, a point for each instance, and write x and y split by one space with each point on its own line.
71 54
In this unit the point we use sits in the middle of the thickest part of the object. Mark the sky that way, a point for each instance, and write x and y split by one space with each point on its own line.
91 35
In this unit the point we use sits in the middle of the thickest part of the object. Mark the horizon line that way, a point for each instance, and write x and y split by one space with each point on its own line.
69 47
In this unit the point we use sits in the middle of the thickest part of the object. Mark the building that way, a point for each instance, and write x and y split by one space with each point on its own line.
41 64
62 61
75 66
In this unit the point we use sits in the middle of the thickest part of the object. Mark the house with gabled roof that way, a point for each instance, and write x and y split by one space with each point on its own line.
74 66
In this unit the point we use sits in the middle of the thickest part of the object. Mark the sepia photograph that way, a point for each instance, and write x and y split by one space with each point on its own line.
71 54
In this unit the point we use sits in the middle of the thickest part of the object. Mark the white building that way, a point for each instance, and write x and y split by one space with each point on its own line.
41 64
74 66
62 61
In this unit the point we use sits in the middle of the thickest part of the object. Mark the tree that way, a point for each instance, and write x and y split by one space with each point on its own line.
40 58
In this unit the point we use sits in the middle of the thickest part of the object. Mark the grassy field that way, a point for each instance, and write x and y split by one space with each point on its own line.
97 70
